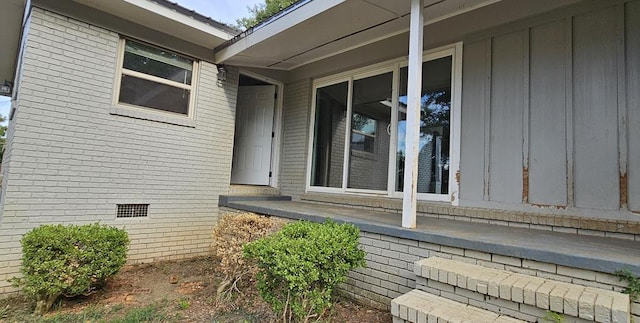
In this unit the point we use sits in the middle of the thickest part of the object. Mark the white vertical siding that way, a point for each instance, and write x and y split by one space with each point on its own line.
472 148
547 131
507 90
595 110
555 89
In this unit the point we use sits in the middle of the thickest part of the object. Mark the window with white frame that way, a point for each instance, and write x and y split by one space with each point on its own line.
363 133
155 79
368 106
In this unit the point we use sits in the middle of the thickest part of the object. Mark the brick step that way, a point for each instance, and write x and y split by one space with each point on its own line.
252 190
422 307
578 301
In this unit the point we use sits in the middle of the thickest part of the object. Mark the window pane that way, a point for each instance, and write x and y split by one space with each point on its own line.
363 124
433 156
154 95
363 130
362 142
329 132
369 158
157 62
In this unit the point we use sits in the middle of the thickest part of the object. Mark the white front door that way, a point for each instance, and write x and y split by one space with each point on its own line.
253 135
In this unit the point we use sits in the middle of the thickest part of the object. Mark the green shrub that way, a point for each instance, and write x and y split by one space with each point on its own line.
69 260
300 265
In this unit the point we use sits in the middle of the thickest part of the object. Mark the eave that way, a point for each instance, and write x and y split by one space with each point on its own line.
11 21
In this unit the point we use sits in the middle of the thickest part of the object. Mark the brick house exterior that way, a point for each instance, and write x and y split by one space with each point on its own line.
543 99
68 160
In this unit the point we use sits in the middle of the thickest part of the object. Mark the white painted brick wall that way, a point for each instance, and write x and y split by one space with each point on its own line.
70 161
297 106
389 273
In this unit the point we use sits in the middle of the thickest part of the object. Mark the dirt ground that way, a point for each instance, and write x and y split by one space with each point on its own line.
176 291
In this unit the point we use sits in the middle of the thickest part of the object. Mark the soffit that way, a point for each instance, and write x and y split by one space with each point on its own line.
11 17
354 24
166 20
344 26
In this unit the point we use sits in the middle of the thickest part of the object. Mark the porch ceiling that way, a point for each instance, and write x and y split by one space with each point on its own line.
320 29
10 26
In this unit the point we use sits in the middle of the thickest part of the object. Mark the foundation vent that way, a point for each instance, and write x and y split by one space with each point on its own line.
132 210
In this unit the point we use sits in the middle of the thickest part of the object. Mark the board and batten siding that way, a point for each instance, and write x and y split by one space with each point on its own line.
551 113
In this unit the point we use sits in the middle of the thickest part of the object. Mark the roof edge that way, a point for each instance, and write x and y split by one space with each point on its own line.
198 16
294 6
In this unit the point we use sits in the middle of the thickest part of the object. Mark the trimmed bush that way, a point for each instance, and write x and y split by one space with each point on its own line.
69 260
230 235
300 266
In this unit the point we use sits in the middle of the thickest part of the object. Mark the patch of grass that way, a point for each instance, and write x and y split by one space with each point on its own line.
149 313
4 312
237 316
89 314
553 317
184 304
15 309
116 308
118 313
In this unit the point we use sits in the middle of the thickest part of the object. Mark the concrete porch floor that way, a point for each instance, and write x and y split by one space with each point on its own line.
580 251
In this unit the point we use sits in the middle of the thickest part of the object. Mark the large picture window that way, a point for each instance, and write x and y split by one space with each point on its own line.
155 79
358 143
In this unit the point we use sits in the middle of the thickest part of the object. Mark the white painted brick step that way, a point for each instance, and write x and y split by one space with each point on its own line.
587 303
252 190
421 307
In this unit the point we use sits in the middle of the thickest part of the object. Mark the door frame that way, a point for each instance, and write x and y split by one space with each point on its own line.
277 124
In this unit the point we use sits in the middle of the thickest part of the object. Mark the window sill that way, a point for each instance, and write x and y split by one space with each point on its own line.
157 117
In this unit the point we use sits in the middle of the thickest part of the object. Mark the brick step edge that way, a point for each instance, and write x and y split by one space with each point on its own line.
421 307
574 300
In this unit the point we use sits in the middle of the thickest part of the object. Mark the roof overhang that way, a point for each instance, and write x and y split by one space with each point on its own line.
11 16
315 30
320 29
166 20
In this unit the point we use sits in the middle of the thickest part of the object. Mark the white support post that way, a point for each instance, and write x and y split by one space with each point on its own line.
410 191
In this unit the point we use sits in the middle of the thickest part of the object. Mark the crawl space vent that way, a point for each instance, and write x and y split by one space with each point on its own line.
132 210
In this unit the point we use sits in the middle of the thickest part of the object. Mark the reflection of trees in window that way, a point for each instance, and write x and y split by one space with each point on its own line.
435 112
363 124
363 133
434 125
157 62
435 119
436 109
